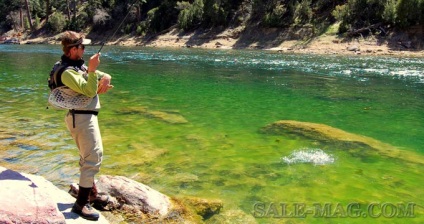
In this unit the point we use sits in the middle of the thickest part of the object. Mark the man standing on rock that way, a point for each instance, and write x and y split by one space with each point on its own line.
82 122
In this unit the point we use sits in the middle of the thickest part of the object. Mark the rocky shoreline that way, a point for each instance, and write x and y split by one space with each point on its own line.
28 198
232 39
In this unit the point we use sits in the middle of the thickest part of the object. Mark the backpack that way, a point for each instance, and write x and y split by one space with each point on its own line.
55 79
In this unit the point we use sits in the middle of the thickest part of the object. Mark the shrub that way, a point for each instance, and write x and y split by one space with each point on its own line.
275 17
141 28
78 23
303 12
340 12
26 23
57 22
191 14
409 12
161 17
214 14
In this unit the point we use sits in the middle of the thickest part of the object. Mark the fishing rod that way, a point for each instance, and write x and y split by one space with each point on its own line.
122 22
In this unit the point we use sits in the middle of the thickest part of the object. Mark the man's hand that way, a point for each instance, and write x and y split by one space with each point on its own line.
94 62
104 84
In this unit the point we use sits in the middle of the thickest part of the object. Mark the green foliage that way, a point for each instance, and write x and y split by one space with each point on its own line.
357 14
128 29
36 22
341 13
363 13
303 12
38 8
153 19
141 29
57 22
274 18
7 7
190 15
92 7
26 24
215 13
158 15
389 13
161 17
78 23
407 17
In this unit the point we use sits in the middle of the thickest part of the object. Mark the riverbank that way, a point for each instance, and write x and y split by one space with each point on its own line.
227 97
396 44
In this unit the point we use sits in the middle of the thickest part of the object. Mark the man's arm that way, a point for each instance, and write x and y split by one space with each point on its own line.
76 82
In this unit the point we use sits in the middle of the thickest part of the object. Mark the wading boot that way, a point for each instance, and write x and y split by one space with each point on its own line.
82 206
99 199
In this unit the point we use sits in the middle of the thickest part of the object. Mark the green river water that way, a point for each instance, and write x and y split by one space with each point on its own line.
187 122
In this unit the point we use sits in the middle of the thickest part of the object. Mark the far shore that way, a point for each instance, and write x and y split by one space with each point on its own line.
325 44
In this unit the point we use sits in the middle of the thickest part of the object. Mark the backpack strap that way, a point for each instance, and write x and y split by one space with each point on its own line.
57 76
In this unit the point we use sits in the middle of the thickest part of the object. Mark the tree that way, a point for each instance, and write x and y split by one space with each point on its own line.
47 10
190 15
29 14
68 7
408 12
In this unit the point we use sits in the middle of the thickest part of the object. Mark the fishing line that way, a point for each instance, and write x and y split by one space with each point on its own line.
122 22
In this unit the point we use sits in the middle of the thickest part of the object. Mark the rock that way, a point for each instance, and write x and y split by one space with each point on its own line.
233 216
276 49
353 48
203 207
27 198
134 196
31 199
328 134
148 205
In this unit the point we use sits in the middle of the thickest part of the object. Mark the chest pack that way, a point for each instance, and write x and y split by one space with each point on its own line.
61 96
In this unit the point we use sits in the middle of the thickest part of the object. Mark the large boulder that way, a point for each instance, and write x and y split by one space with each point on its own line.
331 135
141 203
134 196
26 198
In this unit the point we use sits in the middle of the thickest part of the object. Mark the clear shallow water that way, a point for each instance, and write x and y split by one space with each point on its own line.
187 122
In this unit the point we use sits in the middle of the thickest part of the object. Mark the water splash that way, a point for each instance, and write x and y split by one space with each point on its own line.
314 156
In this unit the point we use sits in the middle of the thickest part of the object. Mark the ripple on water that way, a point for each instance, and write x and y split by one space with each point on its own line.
314 156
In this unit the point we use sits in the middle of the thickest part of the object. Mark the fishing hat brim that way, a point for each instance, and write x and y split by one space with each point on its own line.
80 41
86 41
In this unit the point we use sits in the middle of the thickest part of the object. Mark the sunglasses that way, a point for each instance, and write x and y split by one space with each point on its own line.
81 46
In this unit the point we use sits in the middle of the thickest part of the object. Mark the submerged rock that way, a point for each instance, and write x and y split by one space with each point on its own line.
203 207
172 117
328 134
232 217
